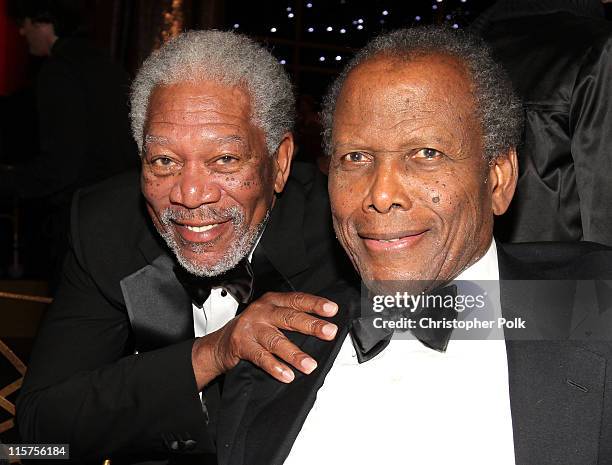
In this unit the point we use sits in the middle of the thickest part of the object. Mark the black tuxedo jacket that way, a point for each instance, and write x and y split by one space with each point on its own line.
560 387
86 387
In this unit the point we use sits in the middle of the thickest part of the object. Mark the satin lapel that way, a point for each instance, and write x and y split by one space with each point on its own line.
158 307
262 417
556 385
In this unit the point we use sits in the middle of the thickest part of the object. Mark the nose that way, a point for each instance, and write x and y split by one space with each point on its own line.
388 189
194 187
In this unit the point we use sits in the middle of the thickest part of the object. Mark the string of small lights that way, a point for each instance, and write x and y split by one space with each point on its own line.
315 38
318 25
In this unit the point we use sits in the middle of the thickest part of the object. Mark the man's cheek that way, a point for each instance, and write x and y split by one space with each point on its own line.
154 215
156 190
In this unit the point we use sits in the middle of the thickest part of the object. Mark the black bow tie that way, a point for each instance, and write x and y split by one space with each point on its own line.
238 282
369 340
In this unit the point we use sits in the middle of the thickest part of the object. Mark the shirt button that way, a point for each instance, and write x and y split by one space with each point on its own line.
223 292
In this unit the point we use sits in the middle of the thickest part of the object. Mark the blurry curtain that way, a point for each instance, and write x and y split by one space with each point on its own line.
131 29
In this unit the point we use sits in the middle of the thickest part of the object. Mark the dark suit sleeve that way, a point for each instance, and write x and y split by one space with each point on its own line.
591 141
84 386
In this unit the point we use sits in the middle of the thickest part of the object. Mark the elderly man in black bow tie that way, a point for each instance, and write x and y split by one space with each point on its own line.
130 360
421 130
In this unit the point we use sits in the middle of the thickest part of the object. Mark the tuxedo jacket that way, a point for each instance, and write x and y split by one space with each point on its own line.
85 385
560 384
558 56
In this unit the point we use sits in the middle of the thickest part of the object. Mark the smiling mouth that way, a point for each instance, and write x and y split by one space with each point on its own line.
201 233
391 241
199 229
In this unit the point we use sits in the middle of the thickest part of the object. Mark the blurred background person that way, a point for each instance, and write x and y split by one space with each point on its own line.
559 56
81 103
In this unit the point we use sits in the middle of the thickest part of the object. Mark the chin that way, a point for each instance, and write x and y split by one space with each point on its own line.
206 260
206 268
390 280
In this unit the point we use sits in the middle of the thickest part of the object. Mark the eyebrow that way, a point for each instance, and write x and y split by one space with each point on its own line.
405 145
355 146
152 139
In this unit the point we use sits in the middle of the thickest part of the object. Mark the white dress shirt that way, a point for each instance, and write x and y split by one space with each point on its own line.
218 309
413 405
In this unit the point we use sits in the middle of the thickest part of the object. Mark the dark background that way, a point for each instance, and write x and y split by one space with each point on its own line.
130 29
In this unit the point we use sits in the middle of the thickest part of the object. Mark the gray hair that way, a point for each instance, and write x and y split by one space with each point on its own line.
498 106
229 59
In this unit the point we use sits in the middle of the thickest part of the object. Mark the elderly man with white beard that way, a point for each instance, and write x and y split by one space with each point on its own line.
130 360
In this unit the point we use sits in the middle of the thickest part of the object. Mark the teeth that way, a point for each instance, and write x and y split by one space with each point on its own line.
201 228
389 240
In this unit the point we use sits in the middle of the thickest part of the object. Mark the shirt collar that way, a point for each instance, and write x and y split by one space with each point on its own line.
486 268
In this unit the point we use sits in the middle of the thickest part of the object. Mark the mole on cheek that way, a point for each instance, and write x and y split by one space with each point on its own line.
435 199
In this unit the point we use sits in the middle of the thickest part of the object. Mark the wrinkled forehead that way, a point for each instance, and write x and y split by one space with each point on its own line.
430 93
201 114
437 80
192 98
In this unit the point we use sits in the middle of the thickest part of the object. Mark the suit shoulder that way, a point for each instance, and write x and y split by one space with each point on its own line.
119 193
565 260
344 292
110 214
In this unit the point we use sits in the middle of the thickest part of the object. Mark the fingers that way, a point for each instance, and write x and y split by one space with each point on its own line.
303 302
277 343
294 320
255 334
274 343
292 312
269 363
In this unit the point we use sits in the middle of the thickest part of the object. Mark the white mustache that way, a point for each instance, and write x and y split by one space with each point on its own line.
203 214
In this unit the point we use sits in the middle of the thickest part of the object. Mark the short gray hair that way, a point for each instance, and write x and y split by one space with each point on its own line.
229 59
499 108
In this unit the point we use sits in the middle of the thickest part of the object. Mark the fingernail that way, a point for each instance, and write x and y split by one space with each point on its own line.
330 307
309 365
287 375
329 330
